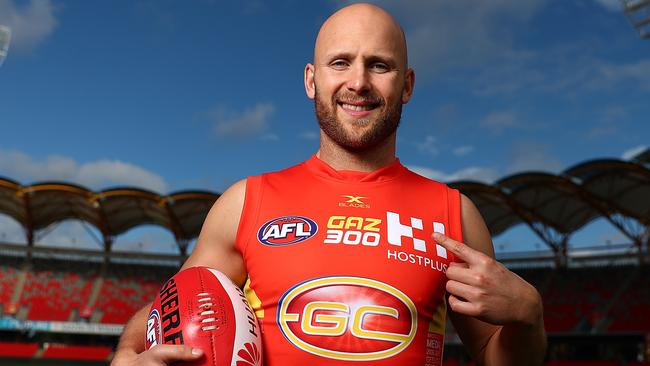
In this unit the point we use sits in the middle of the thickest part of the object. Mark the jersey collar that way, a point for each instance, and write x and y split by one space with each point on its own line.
322 169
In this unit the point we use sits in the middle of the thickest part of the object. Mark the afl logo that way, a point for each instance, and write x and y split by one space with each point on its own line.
286 230
154 333
347 318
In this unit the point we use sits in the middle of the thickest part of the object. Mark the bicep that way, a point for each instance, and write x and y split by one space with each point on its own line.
215 247
473 332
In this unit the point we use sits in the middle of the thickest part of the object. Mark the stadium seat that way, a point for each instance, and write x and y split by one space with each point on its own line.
52 295
81 353
8 277
15 349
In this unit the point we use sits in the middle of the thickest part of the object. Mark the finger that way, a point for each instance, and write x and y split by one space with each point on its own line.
459 249
463 290
463 307
168 353
464 275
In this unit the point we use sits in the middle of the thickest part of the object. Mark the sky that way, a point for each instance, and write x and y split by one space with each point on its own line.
169 96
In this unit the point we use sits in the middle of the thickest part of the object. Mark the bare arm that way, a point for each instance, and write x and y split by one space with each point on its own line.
497 314
215 248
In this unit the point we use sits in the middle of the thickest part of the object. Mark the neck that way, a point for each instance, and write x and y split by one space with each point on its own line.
369 160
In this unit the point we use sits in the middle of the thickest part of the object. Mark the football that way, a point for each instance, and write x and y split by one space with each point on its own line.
203 308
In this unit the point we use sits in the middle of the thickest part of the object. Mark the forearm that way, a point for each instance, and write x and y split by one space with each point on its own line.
517 344
132 339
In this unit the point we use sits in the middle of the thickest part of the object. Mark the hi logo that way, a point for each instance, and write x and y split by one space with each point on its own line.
396 231
354 201
347 318
286 230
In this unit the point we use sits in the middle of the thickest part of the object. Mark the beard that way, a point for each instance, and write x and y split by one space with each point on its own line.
383 126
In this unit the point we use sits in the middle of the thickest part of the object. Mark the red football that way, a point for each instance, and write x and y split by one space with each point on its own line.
203 308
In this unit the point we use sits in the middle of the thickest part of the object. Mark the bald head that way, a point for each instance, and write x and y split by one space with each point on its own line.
365 24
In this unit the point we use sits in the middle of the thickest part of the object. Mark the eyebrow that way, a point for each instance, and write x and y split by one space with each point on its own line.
392 61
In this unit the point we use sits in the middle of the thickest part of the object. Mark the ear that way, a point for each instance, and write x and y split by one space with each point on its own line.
310 88
409 83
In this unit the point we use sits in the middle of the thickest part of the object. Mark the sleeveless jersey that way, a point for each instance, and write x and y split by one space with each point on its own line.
342 267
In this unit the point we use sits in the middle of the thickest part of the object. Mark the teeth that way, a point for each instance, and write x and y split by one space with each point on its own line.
356 108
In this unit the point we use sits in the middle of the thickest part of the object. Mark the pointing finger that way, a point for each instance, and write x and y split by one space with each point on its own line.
460 250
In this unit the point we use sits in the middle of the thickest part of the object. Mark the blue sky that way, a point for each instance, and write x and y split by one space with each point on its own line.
170 95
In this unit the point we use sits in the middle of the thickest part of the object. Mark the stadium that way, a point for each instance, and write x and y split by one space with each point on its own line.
68 306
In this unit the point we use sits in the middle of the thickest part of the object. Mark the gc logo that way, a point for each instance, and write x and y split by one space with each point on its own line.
347 318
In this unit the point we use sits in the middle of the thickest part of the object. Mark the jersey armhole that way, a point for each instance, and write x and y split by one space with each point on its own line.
250 211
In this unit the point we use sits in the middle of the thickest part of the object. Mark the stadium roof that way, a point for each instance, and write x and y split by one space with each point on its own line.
112 212
553 206
638 12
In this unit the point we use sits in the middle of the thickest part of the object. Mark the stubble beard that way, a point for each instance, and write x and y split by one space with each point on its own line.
384 126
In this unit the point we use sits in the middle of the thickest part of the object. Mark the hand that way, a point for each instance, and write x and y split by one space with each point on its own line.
160 355
485 289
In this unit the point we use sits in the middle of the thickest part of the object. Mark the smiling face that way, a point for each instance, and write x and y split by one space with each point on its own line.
359 79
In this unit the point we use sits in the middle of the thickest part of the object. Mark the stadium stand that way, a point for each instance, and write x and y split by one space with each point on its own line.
57 290
8 277
631 313
124 291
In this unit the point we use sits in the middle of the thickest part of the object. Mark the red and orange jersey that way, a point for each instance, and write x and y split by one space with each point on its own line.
342 267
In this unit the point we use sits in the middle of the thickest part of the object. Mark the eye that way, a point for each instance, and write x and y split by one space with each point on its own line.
339 64
379 67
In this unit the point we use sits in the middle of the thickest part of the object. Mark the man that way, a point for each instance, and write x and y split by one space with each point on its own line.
343 261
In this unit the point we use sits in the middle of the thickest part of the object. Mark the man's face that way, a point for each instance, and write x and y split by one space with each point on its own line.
357 122
359 81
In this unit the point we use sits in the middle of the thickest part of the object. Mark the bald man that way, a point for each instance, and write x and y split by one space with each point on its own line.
350 258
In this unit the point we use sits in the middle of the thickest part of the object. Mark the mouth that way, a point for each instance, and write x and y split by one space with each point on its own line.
358 109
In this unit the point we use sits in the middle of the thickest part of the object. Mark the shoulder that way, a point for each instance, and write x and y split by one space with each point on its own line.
475 232
215 246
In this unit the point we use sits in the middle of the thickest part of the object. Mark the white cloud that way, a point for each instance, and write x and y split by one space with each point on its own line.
499 121
30 23
253 121
428 146
608 75
480 174
463 150
631 153
309 135
612 5
531 155
95 175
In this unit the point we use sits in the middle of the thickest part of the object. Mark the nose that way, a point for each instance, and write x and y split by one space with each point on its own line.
359 81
